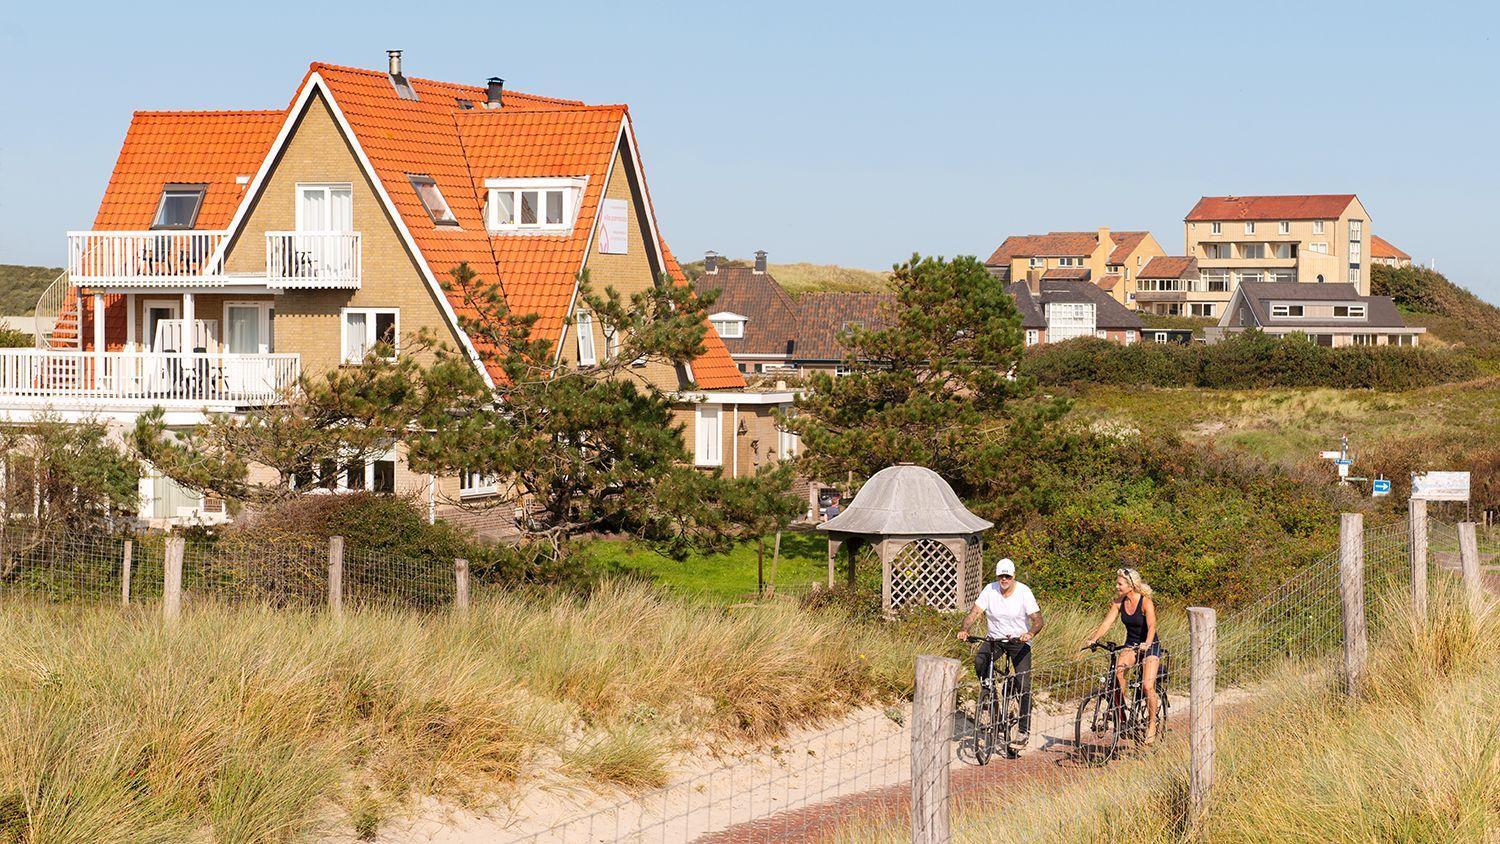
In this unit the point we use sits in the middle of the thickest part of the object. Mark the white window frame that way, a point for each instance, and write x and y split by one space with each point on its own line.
1033 336
1277 275
472 484
1319 246
370 338
327 189
1253 251
1350 311
787 443
1217 228
1066 320
1130 336
1284 227
708 435
179 189
263 317
1036 263
1285 312
583 323
571 189
1249 227
729 325
1317 226
611 341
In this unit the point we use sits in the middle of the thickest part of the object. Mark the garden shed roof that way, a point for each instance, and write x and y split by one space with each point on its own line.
906 500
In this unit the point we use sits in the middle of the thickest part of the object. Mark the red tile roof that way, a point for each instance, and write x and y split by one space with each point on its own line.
1170 266
207 147
1298 207
1066 274
1382 248
1108 282
1065 245
432 136
1125 243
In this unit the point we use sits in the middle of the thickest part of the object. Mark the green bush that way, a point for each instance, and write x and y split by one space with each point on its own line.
10 338
1247 361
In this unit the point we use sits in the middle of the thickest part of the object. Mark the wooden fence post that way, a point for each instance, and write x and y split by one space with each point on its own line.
1416 549
461 584
1352 597
171 579
1468 561
125 574
336 576
1203 627
931 731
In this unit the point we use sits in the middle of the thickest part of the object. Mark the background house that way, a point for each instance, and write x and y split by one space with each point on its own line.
1329 314
1053 311
1307 238
1382 251
1109 260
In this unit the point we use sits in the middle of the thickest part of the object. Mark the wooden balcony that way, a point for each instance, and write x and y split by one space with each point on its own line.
70 379
165 258
307 260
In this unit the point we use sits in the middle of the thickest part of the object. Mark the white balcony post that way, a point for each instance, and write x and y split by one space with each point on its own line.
189 332
98 338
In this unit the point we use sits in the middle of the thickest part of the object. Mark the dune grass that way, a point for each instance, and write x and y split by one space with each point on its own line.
246 725
1416 759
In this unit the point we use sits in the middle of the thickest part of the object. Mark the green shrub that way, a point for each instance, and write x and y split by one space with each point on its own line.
10 338
1247 361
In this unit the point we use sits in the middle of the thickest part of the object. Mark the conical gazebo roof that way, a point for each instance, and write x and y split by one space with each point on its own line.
906 500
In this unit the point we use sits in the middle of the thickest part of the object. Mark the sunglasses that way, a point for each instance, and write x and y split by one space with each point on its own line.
1005 577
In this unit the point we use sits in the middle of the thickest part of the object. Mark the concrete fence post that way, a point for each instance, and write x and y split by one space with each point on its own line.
1416 549
1203 628
125 573
1468 561
336 576
461 584
1352 599
171 579
931 730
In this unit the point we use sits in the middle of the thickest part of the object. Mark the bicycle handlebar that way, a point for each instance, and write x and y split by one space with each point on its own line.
1105 646
1004 639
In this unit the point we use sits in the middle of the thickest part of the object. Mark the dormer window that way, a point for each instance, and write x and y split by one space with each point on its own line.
729 326
532 204
1286 311
432 199
179 206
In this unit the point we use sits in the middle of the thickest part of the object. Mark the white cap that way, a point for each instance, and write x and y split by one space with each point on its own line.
1005 566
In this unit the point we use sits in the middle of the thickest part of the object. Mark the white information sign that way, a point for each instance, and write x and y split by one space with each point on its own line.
614 228
1441 486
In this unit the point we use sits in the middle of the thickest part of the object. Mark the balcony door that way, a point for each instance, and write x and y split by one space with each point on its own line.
323 208
247 333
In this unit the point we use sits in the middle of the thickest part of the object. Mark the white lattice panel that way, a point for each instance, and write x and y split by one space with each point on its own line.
973 570
924 572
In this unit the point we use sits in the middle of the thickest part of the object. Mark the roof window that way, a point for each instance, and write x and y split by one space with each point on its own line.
541 204
179 206
433 201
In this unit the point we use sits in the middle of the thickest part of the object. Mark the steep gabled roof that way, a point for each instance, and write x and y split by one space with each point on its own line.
772 327
436 136
215 148
825 315
1051 245
1125 243
1382 248
1108 314
1294 207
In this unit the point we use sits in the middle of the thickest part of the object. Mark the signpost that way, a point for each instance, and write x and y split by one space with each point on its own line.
1441 486
1380 487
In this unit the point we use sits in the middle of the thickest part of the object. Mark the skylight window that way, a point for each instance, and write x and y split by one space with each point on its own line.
542 204
179 206
433 201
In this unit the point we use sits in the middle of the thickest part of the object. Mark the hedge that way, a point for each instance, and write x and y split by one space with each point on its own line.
1246 361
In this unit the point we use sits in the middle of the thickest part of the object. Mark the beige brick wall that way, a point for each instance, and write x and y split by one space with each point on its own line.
307 322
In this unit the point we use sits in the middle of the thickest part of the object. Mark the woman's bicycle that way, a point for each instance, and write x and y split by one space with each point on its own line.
997 711
1107 715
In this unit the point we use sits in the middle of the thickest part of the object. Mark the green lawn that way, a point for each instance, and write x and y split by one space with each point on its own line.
722 577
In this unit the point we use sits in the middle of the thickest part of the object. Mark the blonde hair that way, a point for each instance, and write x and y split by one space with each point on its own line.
1133 577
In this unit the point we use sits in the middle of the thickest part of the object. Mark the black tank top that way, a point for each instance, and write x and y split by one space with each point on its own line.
1135 622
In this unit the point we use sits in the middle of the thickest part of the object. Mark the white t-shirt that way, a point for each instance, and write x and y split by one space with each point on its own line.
1007 613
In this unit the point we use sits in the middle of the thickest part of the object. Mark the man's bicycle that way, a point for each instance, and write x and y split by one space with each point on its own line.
1108 715
997 711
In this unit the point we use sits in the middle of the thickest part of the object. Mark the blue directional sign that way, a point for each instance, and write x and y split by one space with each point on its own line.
1380 487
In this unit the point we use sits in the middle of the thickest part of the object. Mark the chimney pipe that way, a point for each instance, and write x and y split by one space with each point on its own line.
760 262
711 262
494 92
394 57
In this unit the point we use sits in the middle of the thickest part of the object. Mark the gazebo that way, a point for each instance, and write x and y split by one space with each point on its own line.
927 540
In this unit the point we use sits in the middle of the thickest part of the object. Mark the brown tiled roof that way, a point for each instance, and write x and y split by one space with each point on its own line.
1051 245
1296 207
1171 266
771 328
1125 243
824 315
1108 282
1382 248
1066 274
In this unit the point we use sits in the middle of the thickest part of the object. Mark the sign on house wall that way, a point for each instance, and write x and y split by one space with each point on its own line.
1441 486
614 217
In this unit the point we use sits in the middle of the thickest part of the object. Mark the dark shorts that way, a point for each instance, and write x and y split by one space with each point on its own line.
1155 649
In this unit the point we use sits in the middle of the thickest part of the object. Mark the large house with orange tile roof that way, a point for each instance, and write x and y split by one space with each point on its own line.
1382 251
1109 260
235 251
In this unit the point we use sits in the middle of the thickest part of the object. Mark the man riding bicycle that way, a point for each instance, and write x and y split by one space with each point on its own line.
1013 615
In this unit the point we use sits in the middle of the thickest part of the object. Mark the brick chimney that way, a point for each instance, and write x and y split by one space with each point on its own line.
711 262
760 262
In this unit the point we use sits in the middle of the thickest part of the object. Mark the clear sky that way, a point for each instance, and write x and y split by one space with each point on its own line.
852 134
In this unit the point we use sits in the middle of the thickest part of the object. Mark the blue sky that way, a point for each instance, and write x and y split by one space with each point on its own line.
850 134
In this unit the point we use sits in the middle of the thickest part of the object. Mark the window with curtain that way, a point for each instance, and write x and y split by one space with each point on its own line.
584 322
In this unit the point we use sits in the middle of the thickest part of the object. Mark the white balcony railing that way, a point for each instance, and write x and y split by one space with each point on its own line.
146 259
313 260
60 376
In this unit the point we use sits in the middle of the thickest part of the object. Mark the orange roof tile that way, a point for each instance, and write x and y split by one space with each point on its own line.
1382 248
1169 266
1125 243
1294 207
207 147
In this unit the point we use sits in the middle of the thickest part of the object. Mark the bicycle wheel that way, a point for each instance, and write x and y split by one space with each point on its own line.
986 711
1010 715
1096 733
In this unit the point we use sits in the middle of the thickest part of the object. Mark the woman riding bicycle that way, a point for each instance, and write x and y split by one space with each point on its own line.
1132 604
